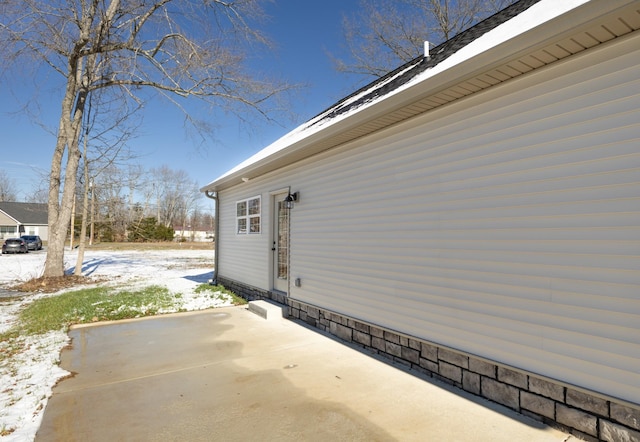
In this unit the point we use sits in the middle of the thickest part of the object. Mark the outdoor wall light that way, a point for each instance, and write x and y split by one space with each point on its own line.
290 199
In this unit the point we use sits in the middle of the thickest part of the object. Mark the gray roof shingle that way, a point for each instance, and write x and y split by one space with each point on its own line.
26 213
421 63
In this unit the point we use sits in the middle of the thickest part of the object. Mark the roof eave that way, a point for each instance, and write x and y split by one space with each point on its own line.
302 148
312 143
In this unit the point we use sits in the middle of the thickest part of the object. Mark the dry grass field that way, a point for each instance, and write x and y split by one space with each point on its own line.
169 245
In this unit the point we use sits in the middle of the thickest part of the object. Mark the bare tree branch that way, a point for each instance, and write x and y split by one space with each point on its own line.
178 48
385 34
7 187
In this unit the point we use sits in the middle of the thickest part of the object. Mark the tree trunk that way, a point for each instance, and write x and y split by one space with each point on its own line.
59 217
85 211
60 206
104 48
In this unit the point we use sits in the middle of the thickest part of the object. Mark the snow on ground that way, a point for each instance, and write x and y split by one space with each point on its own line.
27 380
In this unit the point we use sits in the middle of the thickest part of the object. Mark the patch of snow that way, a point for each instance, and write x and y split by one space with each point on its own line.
27 379
26 384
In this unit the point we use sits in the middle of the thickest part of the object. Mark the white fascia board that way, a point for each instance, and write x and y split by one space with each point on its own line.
308 132
533 17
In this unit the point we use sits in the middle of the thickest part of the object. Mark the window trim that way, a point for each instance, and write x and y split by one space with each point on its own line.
248 217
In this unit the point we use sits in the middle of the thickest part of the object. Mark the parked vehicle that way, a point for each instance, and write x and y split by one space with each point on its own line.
33 242
15 245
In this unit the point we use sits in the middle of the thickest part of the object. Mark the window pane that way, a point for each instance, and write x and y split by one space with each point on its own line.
242 225
283 241
254 206
241 208
254 224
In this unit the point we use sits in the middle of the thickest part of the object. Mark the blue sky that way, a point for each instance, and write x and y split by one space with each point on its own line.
302 31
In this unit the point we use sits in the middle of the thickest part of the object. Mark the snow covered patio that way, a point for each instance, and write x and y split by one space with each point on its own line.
229 374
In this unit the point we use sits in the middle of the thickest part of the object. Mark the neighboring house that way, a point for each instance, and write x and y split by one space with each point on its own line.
17 219
474 214
190 234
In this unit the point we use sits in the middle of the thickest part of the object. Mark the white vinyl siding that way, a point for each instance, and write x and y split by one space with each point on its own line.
508 228
243 257
506 224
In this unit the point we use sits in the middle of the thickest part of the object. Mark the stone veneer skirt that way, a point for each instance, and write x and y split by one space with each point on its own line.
585 414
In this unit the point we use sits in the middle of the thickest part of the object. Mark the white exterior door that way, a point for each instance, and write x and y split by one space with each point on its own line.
280 246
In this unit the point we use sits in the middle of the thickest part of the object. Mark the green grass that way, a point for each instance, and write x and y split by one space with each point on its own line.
90 305
105 304
9 345
59 312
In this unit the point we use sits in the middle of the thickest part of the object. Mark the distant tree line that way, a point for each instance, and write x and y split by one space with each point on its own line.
133 204
148 229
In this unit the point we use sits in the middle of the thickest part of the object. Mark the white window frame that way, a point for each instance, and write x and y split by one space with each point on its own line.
249 217
8 231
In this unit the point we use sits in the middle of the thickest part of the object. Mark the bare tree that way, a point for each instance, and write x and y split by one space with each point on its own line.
385 34
7 187
190 207
111 201
178 48
175 195
108 138
135 174
39 193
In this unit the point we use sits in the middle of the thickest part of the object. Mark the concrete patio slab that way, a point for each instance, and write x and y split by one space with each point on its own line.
229 375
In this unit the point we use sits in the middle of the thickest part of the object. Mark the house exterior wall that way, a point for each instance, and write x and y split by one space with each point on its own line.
193 235
505 226
15 225
245 257
6 220
8 230
8 226
41 231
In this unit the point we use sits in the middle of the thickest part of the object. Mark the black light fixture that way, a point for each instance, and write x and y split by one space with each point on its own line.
290 199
